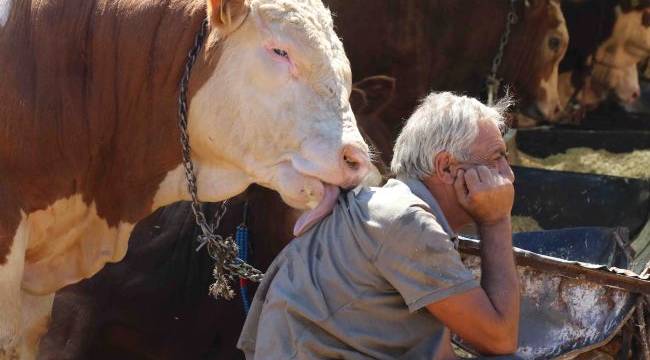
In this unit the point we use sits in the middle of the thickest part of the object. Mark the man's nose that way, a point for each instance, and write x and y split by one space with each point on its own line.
506 170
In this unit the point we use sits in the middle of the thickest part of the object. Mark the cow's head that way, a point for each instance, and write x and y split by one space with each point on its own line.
614 65
275 108
538 43
609 46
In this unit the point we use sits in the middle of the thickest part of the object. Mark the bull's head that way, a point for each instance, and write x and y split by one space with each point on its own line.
274 108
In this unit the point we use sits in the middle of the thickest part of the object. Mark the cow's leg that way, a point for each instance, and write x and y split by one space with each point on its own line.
11 274
35 316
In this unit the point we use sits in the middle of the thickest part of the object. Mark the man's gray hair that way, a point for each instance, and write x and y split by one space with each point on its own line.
443 122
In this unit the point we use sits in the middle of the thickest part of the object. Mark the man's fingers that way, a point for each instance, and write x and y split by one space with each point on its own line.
459 186
472 179
500 179
485 175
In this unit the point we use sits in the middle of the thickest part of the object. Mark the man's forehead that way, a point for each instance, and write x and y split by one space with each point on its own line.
488 140
489 131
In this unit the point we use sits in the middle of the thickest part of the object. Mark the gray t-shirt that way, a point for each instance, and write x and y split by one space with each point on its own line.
356 285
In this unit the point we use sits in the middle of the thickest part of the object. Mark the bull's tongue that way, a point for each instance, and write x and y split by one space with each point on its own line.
310 217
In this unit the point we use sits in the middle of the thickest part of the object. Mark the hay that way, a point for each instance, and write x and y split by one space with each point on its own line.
585 160
524 224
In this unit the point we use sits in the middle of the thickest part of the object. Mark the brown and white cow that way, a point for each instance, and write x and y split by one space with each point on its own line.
88 136
154 303
609 38
449 45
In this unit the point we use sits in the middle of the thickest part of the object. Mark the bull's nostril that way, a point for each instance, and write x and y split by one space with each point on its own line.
351 163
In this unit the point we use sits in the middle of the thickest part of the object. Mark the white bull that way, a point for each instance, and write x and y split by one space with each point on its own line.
88 136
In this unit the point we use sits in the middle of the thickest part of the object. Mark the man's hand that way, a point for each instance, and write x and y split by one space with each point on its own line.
487 318
485 194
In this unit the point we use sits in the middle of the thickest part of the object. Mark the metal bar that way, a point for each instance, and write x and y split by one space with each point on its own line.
612 277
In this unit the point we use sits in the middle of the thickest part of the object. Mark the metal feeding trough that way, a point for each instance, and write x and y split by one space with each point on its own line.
544 141
576 291
559 199
573 301
612 116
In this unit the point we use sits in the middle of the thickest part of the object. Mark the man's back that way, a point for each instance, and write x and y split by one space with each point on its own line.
355 286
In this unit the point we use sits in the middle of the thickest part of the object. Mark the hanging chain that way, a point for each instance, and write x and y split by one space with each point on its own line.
222 250
493 82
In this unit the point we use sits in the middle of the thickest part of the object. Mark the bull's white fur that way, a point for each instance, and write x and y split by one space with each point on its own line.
214 184
11 274
5 10
235 128
35 317
52 248
68 242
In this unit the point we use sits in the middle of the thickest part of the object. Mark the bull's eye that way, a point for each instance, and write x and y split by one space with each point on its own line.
554 43
281 53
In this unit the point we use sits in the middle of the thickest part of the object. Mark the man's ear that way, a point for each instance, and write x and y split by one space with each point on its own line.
442 166
226 15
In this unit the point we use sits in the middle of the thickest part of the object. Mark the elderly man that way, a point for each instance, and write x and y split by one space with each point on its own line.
380 277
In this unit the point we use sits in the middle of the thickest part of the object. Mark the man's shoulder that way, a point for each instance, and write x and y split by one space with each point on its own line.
385 204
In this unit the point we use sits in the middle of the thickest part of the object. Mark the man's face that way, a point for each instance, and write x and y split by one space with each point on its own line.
489 150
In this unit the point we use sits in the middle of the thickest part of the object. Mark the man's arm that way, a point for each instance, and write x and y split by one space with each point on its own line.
487 317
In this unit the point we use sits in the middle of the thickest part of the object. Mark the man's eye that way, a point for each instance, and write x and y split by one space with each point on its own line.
281 53
504 155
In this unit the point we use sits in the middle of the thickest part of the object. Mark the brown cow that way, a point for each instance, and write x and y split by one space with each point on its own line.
89 139
608 39
449 45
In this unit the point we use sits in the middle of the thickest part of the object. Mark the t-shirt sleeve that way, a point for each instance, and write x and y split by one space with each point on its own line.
418 259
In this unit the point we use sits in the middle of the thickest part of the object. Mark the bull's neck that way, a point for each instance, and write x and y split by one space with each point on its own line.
99 117
150 59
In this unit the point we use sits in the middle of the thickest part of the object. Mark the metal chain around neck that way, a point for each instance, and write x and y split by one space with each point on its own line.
493 82
222 250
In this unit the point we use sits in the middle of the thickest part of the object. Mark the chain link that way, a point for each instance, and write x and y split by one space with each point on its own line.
222 250
493 82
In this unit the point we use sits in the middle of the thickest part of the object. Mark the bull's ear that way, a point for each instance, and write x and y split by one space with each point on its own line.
358 100
226 15
378 90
